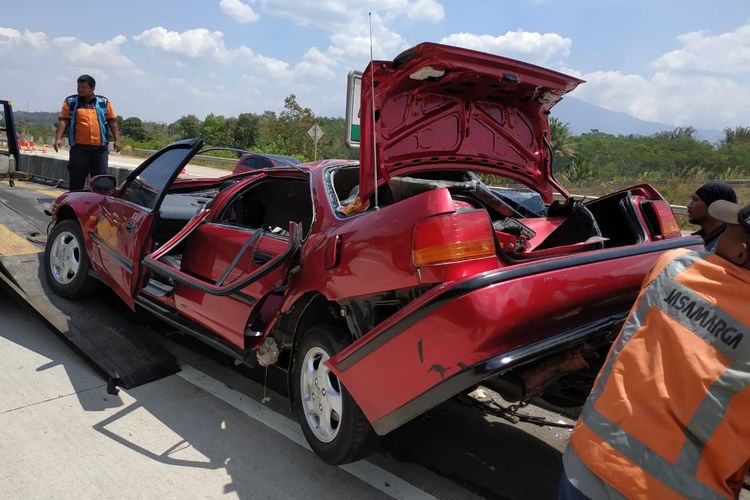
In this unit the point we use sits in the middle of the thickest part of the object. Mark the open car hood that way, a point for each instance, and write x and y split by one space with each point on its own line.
447 108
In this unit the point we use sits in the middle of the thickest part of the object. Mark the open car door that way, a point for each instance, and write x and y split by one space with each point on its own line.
224 274
124 218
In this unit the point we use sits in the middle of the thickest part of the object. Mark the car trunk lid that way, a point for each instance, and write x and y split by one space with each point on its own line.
448 108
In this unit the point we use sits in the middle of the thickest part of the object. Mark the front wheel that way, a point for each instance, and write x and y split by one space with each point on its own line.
333 424
66 262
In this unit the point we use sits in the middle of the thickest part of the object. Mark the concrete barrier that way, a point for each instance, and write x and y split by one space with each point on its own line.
56 169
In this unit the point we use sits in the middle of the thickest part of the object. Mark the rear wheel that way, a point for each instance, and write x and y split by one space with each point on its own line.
66 263
333 424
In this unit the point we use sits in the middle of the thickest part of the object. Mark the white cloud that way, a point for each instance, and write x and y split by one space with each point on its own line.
194 43
330 15
678 100
349 27
315 56
428 10
701 84
316 64
99 55
354 44
727 53
347 15
11 38
538 48
55 64
202 46
240 12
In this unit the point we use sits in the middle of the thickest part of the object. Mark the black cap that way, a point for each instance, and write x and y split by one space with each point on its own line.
712 191
730 213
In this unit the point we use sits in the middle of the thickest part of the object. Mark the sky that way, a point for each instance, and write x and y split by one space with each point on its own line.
682 63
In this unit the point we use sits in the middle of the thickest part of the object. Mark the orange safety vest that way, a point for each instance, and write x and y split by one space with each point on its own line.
669 414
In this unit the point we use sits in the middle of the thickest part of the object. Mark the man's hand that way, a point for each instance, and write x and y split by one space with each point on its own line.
59 133
115 134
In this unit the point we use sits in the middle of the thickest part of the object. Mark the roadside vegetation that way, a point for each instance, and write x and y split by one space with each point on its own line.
270 132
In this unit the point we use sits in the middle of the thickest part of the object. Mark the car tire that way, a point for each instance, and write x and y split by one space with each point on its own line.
334 426
66 262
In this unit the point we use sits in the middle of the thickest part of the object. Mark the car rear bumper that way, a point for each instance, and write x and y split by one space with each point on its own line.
490 367
461 333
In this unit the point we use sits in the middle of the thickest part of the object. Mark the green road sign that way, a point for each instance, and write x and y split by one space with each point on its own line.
353 95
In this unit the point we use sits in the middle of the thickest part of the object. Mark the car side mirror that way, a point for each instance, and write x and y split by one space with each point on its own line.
103 184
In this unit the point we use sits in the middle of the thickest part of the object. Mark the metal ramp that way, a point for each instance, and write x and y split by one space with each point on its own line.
100 328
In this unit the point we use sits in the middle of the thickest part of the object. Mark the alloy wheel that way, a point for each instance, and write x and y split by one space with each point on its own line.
321 396
65 257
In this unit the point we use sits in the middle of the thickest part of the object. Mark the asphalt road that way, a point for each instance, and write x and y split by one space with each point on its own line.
204 433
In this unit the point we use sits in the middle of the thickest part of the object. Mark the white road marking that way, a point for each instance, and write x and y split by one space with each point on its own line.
365 471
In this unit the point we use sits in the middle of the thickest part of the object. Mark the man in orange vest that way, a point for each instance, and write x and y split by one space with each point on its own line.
88 118
669 414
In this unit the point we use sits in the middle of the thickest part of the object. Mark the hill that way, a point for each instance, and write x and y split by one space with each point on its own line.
36 117
583 117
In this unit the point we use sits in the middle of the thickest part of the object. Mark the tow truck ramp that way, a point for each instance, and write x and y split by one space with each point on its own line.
112 338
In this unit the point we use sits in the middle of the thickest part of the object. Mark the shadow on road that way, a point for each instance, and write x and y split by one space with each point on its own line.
84 378
493 458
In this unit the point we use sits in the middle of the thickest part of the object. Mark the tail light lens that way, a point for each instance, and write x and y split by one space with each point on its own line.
453 237
660 219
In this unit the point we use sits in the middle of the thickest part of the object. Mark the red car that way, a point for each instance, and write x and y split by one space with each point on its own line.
384 287
258 161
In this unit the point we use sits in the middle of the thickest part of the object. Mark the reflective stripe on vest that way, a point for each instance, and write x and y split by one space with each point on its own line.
696 412
101 113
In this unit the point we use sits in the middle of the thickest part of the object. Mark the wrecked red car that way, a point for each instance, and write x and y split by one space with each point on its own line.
384 287
257 161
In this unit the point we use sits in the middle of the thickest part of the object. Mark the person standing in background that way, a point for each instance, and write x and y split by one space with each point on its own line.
88 118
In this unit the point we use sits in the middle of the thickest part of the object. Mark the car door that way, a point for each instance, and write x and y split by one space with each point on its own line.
124 219
227 270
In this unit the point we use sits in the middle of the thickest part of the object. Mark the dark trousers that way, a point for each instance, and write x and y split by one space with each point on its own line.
86 161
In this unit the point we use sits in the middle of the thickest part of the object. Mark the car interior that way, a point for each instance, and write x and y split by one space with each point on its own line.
271 204
524 226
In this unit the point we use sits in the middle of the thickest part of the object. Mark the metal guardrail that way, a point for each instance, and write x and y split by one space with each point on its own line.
677 209
232 161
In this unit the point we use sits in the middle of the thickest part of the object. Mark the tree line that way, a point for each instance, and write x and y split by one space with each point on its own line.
592 156
674 154
282 133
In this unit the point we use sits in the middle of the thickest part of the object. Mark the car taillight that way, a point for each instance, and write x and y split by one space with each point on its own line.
453 237
660 219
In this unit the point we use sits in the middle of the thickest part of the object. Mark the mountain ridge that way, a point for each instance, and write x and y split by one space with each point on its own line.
583 117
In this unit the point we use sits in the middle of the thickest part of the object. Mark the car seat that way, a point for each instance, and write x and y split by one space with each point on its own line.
579 226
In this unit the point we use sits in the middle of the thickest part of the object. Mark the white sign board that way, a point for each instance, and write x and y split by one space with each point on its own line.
353 95
315 132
